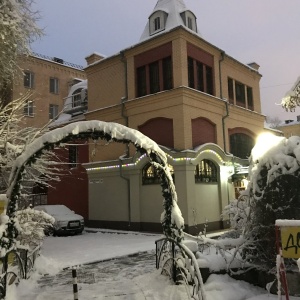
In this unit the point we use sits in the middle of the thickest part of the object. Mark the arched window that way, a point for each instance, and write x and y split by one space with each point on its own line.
206 171
150 174
157 22
241 145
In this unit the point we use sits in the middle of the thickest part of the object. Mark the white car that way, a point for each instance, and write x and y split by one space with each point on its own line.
66 221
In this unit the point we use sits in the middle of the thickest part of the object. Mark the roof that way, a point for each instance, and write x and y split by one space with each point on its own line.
173 10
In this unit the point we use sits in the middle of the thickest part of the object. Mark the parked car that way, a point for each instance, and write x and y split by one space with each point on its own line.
66 221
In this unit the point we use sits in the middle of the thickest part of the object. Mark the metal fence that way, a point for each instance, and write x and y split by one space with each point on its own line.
180 265
16 264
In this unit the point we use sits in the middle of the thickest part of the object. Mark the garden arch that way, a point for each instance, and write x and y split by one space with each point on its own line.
171 219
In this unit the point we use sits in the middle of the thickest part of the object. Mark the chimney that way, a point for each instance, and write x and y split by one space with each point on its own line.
288 121
92 58
254 66
58 60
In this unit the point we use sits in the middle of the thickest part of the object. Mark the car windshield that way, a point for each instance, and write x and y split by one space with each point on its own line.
58 210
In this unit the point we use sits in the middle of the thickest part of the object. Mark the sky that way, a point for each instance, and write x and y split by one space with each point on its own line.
266 32
148 284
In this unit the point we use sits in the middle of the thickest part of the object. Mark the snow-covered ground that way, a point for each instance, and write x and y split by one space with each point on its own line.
145 283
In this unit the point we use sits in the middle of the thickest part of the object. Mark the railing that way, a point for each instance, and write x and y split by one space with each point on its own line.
179 263
16 263
55 59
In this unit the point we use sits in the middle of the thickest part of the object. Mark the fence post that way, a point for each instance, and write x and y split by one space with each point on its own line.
75 287
173 260
5 267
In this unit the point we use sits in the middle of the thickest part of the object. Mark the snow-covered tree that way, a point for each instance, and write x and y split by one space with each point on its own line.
17 30
273 122
32 225
292 99
274 193
14 140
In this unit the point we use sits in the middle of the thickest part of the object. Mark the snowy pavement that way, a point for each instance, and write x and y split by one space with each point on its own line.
113 279
127 273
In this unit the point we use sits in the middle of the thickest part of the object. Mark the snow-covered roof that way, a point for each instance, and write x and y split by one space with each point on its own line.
173 13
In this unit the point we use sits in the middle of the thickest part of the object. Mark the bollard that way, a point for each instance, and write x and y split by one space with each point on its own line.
75 287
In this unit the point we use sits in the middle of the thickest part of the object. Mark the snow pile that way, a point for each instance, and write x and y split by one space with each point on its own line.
221 287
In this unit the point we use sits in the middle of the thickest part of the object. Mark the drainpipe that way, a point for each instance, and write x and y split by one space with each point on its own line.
223 125
226 102
128 190
225 116
125 98
125 117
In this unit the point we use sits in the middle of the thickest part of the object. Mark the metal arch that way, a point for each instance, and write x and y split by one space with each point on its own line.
168 187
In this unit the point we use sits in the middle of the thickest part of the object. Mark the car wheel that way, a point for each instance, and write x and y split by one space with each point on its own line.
48 231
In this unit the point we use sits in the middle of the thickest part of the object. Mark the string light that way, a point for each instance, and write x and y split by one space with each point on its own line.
179 159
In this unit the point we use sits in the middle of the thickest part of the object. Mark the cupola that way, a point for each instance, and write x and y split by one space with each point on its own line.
169 14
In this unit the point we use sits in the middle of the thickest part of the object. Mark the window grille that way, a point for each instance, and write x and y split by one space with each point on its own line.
150 174
206 172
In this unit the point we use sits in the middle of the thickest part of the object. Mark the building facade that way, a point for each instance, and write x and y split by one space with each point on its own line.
198 103
48 81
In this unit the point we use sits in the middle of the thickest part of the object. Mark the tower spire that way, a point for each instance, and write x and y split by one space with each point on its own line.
169 14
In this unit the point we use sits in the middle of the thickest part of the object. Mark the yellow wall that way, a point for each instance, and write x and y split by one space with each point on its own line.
44 69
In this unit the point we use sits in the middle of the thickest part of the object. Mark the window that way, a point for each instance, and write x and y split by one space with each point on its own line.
156 23
250 98
154 77
73 156
191 72
209 80
241 145
150 174
240 94
202 79
230 91
206 172
167 73
54 85
53 111
28 79
141 81
76 98
243 95
28 109
190 23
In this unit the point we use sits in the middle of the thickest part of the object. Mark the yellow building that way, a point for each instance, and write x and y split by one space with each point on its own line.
49 80
197 102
